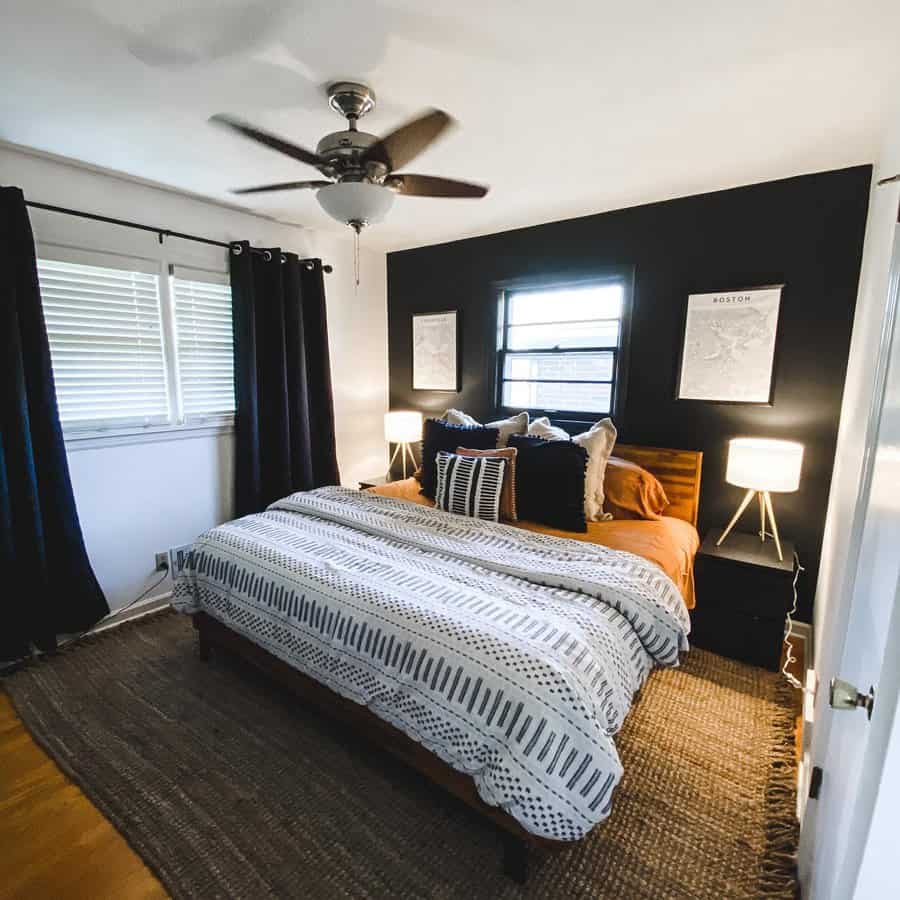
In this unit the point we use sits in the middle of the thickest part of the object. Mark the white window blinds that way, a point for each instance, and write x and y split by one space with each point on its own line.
105 344
204 343
559 348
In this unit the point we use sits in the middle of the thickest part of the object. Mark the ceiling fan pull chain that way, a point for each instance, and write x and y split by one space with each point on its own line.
356 255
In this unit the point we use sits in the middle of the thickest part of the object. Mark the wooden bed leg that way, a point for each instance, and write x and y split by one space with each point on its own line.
203 643
515 858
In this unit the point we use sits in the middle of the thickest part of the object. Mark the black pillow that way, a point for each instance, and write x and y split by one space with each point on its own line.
438 436
550 482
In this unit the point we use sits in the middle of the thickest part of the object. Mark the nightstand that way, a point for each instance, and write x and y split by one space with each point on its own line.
378 481
744 593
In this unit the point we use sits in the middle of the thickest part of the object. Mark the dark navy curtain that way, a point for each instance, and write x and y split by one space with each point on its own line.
48 586
284 425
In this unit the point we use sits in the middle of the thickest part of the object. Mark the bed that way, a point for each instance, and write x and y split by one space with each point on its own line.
670 542
498 660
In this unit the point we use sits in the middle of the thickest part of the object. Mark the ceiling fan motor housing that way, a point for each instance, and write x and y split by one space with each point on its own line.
342 152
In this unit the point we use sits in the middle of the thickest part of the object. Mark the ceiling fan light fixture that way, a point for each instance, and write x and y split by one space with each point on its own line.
356 203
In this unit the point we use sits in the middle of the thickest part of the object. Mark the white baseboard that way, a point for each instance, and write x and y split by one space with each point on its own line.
140 609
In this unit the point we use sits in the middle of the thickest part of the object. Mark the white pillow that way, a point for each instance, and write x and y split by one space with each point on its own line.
458 417
517 424
598 441
543 429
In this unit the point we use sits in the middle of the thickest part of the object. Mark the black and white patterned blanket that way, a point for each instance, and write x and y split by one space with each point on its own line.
511 655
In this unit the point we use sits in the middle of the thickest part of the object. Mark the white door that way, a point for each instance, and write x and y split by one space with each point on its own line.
850 749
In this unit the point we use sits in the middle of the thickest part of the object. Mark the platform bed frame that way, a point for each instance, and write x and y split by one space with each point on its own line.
679 472
517 842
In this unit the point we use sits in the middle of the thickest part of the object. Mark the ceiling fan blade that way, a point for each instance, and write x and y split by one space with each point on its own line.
284 186
431 186
408 141
269 140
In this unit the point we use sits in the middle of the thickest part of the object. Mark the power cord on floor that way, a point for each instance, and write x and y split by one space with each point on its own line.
77 637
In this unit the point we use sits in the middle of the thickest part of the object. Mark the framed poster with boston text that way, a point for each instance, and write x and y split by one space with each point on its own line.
728 350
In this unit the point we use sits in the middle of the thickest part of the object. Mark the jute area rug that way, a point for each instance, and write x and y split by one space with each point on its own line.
229 787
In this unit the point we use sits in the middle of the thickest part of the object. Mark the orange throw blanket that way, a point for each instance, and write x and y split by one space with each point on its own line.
670 543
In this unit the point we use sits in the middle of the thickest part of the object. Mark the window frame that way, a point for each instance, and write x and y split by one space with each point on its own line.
503 289
98 254
177 272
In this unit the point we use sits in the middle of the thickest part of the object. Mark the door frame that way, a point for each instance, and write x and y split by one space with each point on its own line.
844 868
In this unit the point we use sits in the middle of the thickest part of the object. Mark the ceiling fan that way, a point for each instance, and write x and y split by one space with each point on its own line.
362 168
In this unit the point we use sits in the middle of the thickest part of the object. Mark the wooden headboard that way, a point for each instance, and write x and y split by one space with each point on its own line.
677 470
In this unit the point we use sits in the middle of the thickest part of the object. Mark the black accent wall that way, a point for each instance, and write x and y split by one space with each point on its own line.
806 232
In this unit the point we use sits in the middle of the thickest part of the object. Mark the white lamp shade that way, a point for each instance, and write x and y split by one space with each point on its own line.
403 427
759 464
356 201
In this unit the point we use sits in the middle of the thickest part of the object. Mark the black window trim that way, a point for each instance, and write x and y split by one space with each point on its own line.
619 275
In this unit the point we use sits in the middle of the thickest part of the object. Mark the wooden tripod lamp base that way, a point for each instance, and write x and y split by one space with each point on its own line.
762 466
765 511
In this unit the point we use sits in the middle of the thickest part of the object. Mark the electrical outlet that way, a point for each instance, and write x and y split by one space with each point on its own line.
173 560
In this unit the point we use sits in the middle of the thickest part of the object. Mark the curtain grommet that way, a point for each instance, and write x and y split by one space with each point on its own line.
237 249
267 255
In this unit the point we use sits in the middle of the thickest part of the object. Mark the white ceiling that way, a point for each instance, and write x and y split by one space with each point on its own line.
565 108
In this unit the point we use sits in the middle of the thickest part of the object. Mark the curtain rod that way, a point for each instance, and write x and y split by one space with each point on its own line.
161 232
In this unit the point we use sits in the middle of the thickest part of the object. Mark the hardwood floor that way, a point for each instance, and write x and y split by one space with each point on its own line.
55 843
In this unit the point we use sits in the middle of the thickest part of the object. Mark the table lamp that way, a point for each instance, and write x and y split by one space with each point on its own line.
402 427
762 467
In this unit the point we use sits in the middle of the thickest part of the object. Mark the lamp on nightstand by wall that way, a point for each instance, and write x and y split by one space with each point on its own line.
762 467
402 427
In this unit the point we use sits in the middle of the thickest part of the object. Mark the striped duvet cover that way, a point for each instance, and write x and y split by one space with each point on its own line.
511 655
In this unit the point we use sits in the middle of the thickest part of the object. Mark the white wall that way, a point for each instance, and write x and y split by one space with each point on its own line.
137 498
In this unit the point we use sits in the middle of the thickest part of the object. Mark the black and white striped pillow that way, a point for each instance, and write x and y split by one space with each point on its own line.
469 485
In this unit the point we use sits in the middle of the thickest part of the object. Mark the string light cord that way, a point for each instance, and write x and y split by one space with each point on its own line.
789 657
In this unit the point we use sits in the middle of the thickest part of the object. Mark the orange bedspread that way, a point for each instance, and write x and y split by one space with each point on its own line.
670 543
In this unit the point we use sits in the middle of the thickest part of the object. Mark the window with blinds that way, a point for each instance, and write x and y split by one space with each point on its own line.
559 348
131 350
204 344
106 345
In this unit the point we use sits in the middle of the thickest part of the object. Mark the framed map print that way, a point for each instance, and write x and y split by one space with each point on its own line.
728 353
435 356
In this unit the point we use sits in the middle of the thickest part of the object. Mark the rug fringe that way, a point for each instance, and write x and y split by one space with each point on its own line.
778 867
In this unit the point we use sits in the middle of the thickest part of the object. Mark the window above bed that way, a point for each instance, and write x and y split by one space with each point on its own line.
560 347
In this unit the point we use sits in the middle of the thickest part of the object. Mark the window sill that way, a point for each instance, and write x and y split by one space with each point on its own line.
575 418
120 437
